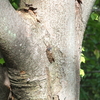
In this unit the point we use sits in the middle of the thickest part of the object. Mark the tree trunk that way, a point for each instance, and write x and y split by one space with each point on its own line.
42 47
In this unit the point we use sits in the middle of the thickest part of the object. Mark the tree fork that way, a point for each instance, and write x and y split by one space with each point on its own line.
22 40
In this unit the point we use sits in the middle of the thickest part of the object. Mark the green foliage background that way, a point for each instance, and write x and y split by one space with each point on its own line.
15 3
90 83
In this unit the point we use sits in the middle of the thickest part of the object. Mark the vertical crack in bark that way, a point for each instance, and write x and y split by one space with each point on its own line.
79 22
79 37
49 92
50 95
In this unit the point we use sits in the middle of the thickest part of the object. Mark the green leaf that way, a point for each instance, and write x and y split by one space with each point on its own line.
82 58
83 49
97 53
15 5
2 61
94 16
82 73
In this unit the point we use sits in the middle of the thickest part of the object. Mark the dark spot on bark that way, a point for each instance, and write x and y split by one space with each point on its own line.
49 54
79 1
32 8
28 5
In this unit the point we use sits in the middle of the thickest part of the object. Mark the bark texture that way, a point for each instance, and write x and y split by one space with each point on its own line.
42 48
4 84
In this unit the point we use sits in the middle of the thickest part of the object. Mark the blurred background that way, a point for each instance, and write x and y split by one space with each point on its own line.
90 57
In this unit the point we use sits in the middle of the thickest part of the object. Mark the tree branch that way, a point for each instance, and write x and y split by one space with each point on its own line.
95 10
14 35
86 9
8 20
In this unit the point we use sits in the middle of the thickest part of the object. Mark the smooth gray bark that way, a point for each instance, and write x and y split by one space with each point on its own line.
24 38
